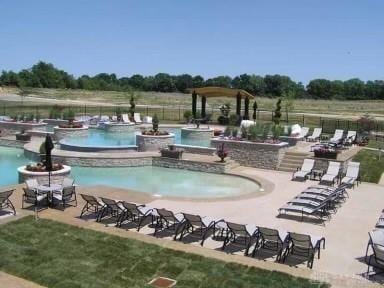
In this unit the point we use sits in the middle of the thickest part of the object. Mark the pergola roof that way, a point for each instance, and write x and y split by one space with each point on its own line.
221 92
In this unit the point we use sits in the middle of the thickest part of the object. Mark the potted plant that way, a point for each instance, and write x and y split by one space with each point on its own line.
222 153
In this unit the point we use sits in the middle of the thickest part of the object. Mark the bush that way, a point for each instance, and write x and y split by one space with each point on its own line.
235 131
234 120
69 114
55 113
187 115
155 123
227 131
223 120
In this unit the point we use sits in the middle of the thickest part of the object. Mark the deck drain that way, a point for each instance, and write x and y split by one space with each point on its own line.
162 282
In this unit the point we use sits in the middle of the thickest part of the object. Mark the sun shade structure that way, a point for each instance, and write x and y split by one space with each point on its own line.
207 92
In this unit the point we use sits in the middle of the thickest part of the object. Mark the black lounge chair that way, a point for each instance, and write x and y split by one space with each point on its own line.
92 204
135 213
376 259
31 196
65 196
240 235
167 220
5 203
303 245
197 226
112 209
272 240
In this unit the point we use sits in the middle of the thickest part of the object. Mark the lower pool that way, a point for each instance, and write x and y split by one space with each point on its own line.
154 180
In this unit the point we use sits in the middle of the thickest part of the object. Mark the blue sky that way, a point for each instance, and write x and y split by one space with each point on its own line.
303 39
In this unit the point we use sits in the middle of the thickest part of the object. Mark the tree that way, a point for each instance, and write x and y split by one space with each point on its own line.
197 81
164 83
320 89
182 82
277 114
288 102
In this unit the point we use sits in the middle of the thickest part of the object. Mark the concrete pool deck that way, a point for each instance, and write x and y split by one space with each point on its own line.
346 232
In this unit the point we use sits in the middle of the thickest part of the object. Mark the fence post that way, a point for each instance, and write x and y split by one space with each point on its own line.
179 112
146 109
163 112
85 110
303 121
4 109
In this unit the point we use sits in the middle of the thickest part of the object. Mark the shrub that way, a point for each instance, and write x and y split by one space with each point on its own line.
187 115
69 114
155 123
276 131
234 119
366 123
227 131
235 132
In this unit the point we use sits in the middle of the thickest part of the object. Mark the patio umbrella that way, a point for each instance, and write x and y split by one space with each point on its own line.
48 157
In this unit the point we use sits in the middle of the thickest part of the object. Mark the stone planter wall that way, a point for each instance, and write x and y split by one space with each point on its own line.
153 143
196 133
8 128
42 177
57 122
196 149
61 133
118 127
190 165
253 154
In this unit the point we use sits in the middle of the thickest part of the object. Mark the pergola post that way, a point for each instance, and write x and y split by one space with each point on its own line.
194 100
238 104
246 108
203 102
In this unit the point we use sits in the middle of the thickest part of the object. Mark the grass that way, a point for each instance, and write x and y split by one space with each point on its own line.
371 167
59 255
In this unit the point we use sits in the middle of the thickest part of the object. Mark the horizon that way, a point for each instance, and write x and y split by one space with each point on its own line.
212 39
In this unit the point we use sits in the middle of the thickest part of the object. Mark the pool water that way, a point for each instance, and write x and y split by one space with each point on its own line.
154 180
101 138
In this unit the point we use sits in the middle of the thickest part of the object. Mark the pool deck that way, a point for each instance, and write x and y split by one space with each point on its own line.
346 232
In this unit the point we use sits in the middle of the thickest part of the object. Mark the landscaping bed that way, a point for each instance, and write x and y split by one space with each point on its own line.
371 167
59 255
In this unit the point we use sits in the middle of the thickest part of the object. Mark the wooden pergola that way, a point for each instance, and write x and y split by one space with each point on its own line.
207 92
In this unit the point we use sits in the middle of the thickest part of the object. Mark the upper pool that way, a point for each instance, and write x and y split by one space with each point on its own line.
153 180
101 138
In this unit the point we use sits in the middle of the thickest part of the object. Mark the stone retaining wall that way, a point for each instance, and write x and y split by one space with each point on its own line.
118 127
196 149
8 128
61 133
153 143
189 165
12 143
253 154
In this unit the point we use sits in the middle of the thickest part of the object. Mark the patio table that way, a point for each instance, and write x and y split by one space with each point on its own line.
49 189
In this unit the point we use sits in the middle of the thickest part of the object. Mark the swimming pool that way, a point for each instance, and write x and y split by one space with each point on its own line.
154 180
102 138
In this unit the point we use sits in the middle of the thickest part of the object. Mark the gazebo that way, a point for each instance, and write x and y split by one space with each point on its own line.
207 92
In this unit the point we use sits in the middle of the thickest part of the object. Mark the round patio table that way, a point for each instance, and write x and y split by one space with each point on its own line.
49 189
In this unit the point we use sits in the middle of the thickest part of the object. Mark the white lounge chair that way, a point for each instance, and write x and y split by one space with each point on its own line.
337 137
147 119
331 174
315 135
352 175
137 118
304 132
350 138
305 170
125 118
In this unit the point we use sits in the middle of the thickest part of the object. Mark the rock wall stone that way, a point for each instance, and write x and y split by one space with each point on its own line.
61 133
153 143
189 165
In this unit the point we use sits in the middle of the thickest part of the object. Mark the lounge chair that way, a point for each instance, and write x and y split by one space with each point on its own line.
270 239
318 211
5 202
350 138
111 208
303 245
376 259
305 170
167 220
135 213
337 137
33 197
239 234
197 226
137 118
304 132
332 173
147 119
66 196
352 175
125 118
92 204
114 118
315 135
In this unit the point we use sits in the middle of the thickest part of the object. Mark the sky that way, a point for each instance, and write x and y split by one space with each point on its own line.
304 39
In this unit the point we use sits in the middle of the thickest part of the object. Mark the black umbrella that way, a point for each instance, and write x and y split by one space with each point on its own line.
48 157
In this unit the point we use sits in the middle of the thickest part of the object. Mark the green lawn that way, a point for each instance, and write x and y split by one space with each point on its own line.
59 255
371 167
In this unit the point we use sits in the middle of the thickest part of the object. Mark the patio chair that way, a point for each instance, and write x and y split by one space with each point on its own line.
305 170
376 259
337 137
270 239
125 118
33 197
135 213
350 138
32 184
304 132
315 135
303 245
137 118
239 234
66 196
167 220
91 204
352 175
5 202
197 226
111 208
332 173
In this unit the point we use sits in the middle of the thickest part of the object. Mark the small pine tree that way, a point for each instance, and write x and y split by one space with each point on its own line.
155 123
277 114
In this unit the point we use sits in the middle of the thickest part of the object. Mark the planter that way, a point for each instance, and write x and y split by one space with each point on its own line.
9 127
61 133
23 137
42 177
154 143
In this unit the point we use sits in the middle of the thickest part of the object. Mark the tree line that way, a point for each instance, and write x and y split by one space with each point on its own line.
46 75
